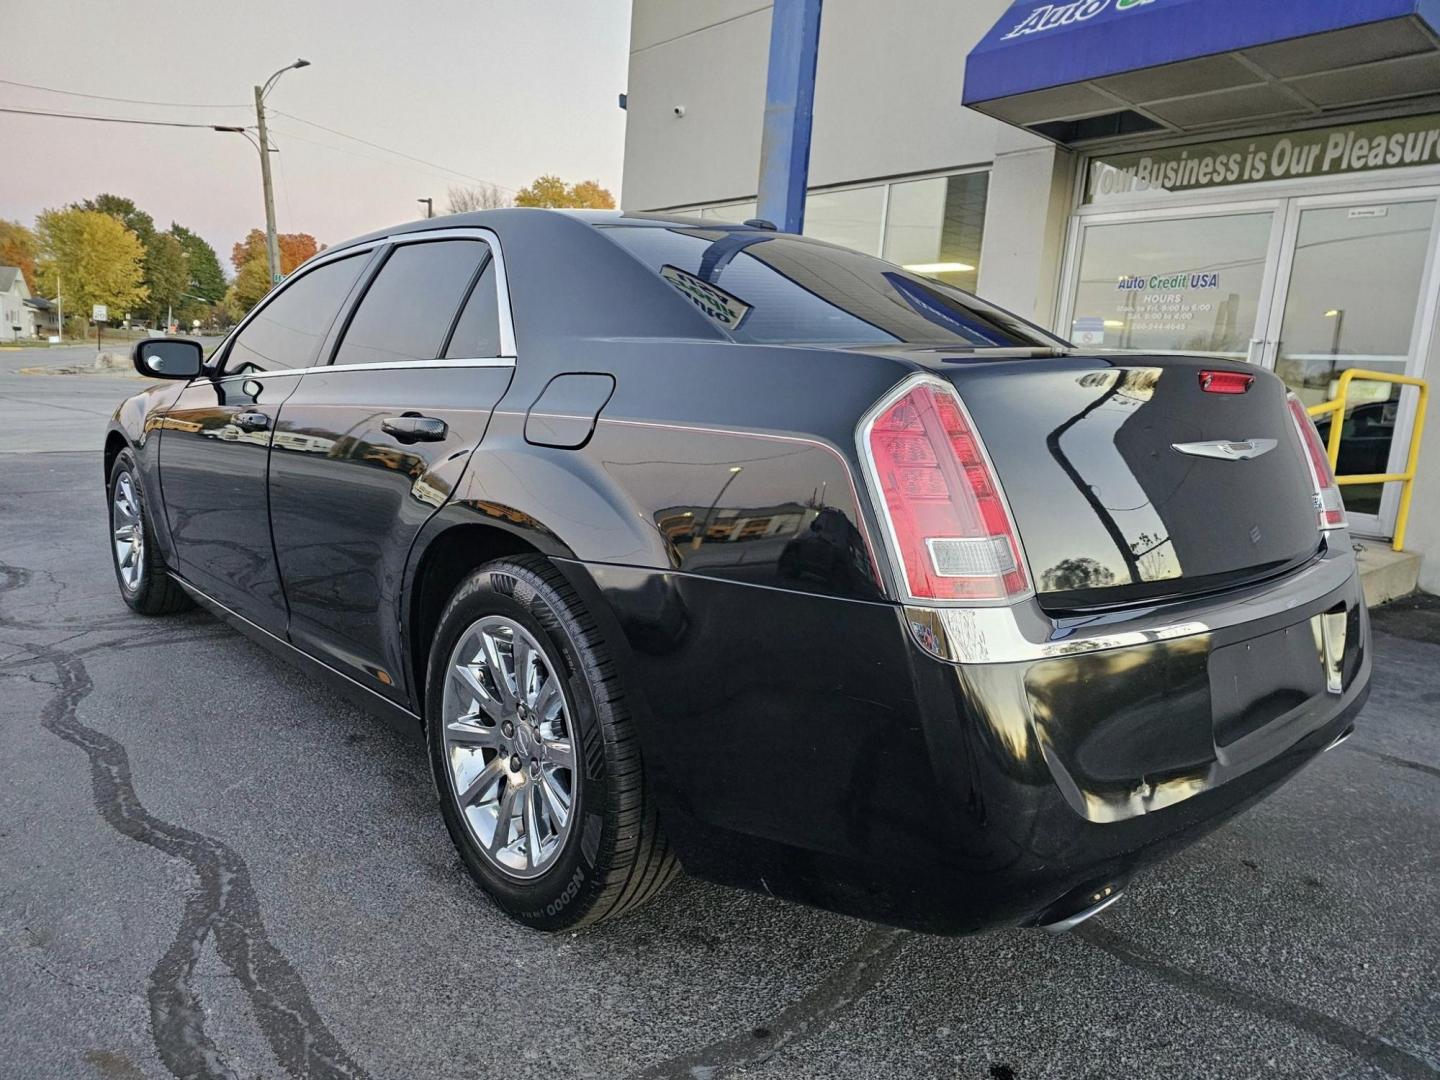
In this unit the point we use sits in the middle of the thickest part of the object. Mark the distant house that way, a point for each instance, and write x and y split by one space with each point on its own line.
17 319
47 317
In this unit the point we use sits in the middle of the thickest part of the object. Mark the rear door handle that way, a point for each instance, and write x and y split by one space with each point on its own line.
252 421
415 428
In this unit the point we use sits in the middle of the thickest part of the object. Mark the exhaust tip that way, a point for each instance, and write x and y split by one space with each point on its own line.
1339 738
1107 896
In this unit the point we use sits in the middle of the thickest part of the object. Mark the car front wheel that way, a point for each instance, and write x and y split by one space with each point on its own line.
535 760
139 567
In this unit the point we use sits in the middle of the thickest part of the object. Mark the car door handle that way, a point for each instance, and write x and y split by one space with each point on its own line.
252 421
414 428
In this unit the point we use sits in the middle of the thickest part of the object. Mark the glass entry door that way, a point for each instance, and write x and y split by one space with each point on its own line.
1308 286
1352 287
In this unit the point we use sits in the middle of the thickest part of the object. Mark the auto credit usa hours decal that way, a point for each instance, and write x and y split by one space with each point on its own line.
725 308
1049 16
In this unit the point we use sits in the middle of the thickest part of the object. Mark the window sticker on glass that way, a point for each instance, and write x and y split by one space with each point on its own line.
728 310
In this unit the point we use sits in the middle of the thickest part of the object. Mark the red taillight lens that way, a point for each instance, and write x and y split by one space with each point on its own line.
952 530
1329 507
1225 382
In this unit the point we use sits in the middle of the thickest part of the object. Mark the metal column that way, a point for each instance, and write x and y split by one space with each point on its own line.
789 108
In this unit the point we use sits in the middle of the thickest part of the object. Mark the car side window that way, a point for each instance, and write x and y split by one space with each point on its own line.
288 331
477 334
408 310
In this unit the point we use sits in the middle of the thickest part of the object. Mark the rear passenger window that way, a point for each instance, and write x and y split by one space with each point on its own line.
288 330
408 310
477 334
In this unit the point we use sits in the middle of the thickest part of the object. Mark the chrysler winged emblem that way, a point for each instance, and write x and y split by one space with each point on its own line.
1227 450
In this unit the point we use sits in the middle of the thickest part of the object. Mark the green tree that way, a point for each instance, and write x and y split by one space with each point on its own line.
123 210
553 192
207 279
17 248
98 258
167 274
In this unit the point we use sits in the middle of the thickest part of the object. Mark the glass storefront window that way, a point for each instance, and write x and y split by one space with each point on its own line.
934 227
848 218
1172 285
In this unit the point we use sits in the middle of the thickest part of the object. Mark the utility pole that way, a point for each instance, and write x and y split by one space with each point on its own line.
429 207
59 311
272 243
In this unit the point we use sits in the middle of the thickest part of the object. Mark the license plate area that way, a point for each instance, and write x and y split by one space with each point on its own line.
1256 682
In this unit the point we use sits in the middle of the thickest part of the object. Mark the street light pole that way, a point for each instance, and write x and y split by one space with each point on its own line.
272 243
429 207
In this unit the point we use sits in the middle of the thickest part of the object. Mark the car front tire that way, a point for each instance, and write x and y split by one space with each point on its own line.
536 763
145 584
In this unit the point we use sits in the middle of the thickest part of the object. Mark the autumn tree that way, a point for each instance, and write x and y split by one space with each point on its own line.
462 200
98 259
551 191
17 248
251 284
295 248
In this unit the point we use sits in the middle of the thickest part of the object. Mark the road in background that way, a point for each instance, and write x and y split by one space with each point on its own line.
211 867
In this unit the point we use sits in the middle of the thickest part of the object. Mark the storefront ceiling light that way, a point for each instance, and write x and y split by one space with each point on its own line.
939 268
1114 324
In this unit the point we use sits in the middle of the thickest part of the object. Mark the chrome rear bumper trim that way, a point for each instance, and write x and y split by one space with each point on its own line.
1023 633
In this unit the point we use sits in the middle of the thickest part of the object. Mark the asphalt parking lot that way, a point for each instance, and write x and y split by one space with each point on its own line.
210 867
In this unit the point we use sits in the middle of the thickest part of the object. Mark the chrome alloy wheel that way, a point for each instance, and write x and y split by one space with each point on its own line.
509 746
127 532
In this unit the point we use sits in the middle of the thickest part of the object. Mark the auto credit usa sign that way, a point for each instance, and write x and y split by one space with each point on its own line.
1051 16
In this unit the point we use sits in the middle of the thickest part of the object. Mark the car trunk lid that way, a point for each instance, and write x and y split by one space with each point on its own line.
1138 479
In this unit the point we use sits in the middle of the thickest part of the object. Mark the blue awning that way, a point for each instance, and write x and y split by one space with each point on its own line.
1133 66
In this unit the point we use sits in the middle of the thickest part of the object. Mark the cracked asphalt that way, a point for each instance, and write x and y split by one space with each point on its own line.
212 867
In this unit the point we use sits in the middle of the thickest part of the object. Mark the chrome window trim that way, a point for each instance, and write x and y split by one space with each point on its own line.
998 635
901 582
502 279
384 365
508 350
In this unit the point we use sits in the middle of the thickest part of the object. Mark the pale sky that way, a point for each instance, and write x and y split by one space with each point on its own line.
501 90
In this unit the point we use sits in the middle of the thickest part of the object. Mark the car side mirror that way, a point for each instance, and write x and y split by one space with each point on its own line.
169 358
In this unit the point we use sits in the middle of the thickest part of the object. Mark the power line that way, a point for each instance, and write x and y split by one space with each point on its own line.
106 119
367 157
128 101
388 150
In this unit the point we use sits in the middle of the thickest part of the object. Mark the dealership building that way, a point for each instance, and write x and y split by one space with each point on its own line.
1257 180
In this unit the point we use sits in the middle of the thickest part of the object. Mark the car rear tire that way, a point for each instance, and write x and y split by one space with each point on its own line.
140 571
534 755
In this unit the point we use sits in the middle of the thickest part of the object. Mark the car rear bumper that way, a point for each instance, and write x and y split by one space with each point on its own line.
808 747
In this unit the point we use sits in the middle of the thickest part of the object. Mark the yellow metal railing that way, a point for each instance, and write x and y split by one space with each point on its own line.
1336 410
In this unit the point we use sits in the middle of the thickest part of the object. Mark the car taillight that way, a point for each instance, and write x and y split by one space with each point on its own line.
1329 507
951 528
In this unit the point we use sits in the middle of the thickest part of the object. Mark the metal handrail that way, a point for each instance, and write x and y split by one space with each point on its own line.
1406 478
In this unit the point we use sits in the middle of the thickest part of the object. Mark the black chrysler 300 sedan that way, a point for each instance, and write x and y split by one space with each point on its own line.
705 545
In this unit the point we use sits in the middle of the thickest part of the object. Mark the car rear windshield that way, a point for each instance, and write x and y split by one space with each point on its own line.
767 288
